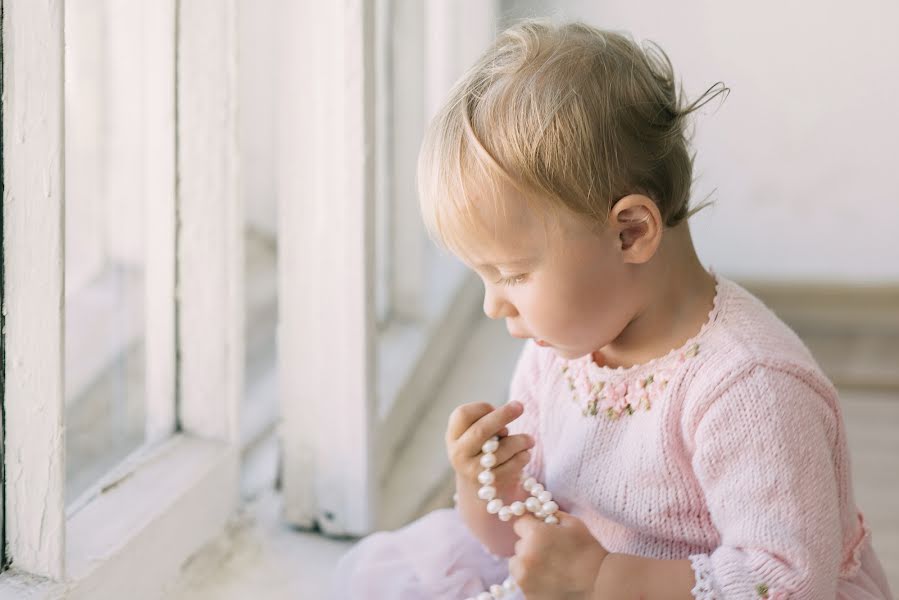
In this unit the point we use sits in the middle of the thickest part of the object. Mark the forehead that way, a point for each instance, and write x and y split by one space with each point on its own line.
505 231
519 234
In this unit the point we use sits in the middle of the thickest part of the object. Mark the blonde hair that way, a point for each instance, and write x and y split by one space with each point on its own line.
568 115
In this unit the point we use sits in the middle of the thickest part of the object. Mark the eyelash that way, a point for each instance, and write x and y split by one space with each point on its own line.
513 280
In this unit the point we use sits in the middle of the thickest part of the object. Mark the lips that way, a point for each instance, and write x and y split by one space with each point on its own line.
541 343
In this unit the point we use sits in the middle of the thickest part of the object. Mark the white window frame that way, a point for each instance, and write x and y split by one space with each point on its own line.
371 376
170 497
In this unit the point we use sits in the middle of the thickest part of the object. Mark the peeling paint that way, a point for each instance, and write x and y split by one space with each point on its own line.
33 291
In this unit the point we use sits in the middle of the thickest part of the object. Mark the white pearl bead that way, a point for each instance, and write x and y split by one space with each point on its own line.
486 477
517 508
509 584
532 504
529 484
536 490
505 513
488 492
550 507
484 596
545 496
488 460
494 505
489 446
497 591
540 514
552 520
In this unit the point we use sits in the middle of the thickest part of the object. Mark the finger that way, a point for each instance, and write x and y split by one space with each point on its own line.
565 518
511 469
519 547
515 570
464 416
503 432
489 425
512 445
524 526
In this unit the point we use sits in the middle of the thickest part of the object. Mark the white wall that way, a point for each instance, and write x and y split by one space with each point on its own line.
804 151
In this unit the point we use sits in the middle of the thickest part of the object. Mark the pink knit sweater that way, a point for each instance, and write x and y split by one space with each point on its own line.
730 451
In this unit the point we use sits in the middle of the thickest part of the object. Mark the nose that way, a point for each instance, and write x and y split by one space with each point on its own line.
495 306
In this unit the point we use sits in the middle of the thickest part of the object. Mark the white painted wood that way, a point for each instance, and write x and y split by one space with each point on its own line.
34 257
326 266
160 210
210 239
384 116
409 245
132 539
261 558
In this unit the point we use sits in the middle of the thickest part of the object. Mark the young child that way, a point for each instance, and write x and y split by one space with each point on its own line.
692 445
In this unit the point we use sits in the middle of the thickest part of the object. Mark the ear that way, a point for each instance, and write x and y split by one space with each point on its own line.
638 223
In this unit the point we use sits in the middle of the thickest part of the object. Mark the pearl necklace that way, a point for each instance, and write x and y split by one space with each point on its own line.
540 504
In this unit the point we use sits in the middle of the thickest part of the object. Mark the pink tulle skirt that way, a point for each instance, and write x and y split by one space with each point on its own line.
433 558
437 558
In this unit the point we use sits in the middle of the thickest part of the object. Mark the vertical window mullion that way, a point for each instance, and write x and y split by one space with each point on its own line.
384 118
326 266
34 285
409 242
210 231
159 182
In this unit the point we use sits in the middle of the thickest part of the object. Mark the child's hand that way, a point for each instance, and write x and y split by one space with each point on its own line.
556 561
470 425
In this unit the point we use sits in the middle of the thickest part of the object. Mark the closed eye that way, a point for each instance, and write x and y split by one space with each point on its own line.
513 280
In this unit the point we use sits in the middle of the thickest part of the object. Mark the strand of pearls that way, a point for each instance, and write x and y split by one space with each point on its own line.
540 504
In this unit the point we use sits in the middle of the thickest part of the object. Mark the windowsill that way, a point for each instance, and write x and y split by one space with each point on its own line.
258 556
138 531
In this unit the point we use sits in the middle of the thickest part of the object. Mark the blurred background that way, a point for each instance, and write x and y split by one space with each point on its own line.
799 160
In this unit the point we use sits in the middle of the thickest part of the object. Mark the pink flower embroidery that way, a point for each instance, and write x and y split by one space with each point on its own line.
613 399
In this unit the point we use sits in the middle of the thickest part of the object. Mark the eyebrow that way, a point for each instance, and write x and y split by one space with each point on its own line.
508 263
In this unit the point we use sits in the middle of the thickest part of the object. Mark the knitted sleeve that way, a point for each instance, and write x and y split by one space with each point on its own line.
523 387
764 456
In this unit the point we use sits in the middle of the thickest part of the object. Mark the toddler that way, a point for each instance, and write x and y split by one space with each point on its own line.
691 446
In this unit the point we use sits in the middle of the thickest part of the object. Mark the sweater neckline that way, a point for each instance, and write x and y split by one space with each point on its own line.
597 372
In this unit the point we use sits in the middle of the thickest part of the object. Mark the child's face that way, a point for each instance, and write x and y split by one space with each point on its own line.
566 286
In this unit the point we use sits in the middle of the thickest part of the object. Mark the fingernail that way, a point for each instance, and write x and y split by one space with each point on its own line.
516 404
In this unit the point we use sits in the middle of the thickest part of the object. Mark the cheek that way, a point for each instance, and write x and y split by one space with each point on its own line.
591 308
559 306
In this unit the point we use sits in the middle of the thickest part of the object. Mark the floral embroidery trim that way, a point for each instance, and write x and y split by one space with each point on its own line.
764 592
615 399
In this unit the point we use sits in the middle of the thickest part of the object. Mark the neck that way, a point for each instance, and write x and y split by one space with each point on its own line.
679 295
